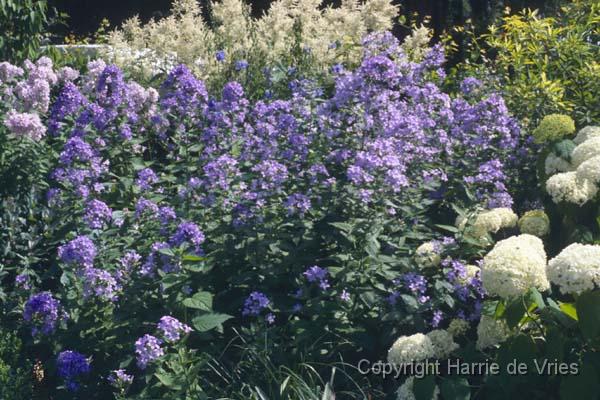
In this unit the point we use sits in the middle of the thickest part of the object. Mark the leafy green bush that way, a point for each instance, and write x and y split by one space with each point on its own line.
541 64
15 374
23 25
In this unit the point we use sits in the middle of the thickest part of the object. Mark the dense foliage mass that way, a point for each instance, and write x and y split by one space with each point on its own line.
261 237
543 63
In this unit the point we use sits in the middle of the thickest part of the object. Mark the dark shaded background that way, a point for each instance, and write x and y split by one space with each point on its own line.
85 15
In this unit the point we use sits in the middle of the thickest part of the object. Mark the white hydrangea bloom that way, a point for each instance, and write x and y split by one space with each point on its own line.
554 164
427 255
576 268
566 187
413 348
458 327
443 343
587 133
405 392
586 150
495 219
515 265
535 222
589 170
491 332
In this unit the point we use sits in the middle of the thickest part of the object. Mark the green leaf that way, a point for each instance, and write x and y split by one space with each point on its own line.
167 251
171 280
588 310
455 389
200 301
448 228
564 149
423 388
569 309
489 307
514 312
536 297
192 257
168 380
207 322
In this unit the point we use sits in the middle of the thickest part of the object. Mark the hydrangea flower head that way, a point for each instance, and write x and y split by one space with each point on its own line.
414 348
554 127
514 266
576 268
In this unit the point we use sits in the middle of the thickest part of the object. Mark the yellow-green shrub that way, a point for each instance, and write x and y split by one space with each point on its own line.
542 65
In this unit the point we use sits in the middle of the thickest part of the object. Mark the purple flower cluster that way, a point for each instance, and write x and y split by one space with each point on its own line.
147 349
183 92
416 284
119 379
145 207
187 232
150 264
25 125
70 366
469 291
255 303
43 312
172 328
80 251
101 284
68 103
317 274
297 203
97 214
146 178
23 281
128 262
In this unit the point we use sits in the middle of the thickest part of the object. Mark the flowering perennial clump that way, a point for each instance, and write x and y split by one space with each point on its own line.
243 182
